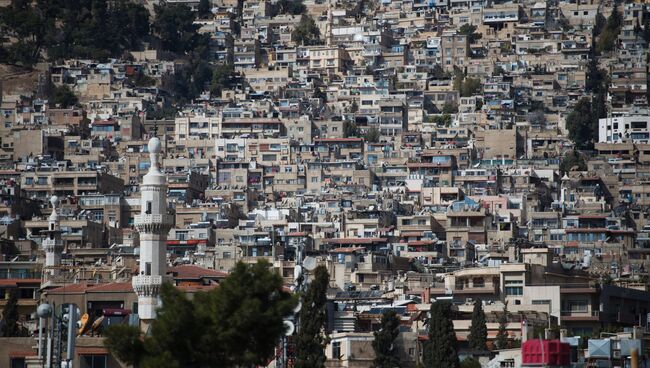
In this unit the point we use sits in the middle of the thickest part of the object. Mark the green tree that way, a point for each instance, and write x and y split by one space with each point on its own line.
442 120
126 342
609 35
64 97
449 108
373 135
501 340
25 24
243 317
350 129
306 32
571 160
174 25
441 350
294 7
11 328
478 330
384 342
470 363
470 87
580 123
599 25
221 78
235 214
310 340
469 30
203 9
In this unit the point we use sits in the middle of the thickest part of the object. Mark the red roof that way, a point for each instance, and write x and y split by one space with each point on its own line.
354 240
17 282
84 287
91 350
195 288
298 233
22 353
195 272
412 233
325 140
347 250
420 242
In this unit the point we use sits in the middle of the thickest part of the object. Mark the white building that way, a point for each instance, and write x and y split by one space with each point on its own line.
153 224
615 129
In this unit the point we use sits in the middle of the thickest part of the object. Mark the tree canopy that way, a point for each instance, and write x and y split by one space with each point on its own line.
580 123
571 160
306 32
384 342
478 330
243 317
310 340
501 340
469 30
63 97
441 350
174 25
607 38
9 322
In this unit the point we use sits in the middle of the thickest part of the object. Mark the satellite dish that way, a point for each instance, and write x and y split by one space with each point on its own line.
309 263
298 307
289 327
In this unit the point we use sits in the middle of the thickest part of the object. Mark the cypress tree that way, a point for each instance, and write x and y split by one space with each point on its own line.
478 331
383 344
310 340
441 349
10 317
501 341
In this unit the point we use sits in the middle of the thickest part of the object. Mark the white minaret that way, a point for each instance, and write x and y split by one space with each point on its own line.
330 25
153 224
52 244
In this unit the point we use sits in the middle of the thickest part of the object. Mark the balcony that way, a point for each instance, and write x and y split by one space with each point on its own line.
580 316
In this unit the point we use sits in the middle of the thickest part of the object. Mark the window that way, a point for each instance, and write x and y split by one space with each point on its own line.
336 350
17 363
226 255
542 302
578 305
514 287
94 361
514 290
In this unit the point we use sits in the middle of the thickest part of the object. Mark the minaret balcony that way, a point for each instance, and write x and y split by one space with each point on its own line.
147 285
153 223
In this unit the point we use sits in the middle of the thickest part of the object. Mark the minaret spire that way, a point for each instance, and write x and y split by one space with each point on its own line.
153 223
52 244
330 22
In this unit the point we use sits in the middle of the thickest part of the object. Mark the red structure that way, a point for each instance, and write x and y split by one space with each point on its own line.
546 353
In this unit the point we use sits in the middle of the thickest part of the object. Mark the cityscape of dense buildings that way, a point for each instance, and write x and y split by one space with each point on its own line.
467 152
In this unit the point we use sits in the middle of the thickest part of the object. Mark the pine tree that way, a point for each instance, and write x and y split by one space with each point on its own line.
243 317
204 9
478 331
310 341
383 344
441 349
501 341
10 317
